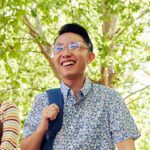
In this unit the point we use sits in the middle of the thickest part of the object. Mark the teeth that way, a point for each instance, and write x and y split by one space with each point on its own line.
68 63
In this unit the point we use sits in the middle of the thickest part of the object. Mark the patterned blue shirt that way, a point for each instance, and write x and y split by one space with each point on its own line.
96 121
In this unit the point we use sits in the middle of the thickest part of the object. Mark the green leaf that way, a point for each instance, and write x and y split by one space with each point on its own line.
34 12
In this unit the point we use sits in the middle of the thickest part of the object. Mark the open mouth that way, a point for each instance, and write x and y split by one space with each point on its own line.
68 63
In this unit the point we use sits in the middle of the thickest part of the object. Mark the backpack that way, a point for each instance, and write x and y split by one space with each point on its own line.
54 96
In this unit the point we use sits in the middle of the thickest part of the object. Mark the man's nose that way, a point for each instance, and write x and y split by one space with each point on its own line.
66 52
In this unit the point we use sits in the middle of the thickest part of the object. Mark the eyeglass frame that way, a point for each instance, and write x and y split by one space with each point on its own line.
80 44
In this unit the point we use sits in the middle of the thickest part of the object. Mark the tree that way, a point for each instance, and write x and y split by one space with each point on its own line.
27 31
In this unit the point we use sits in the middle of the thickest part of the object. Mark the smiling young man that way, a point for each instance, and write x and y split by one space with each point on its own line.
95 117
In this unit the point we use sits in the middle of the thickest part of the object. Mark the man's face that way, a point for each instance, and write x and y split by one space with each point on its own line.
72 60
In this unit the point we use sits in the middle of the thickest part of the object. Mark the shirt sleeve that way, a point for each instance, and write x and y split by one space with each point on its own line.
11 128
34 115
122 125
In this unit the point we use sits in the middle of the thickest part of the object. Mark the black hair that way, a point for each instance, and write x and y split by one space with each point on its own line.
77 29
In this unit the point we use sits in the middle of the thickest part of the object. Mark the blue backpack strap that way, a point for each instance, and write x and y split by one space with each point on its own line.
54 96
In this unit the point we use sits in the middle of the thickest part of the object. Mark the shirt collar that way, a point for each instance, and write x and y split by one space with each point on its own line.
87 87
65 89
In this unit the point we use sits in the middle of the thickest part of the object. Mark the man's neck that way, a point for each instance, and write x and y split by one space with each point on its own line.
75 84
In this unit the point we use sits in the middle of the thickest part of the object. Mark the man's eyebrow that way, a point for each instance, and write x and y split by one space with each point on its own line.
59 43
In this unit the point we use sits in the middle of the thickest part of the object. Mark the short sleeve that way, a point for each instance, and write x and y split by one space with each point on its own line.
34 115
122 125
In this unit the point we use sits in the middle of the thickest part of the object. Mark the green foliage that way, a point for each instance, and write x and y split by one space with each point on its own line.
24 72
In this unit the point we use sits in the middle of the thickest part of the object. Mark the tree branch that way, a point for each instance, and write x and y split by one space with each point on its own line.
45 49
108 28
14 88
120 32
38 25
137 99
142 14
136 92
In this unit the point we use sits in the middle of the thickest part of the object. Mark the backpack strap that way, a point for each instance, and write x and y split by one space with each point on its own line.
54 96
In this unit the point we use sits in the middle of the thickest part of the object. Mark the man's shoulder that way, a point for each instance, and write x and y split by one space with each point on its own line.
41 95
104 89
108 95
41 99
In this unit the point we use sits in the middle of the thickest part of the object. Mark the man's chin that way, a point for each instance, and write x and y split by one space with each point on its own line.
71 76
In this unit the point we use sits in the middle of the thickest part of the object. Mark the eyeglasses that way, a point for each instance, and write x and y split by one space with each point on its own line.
71 47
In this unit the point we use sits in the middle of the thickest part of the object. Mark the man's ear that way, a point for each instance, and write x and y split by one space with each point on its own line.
90 57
